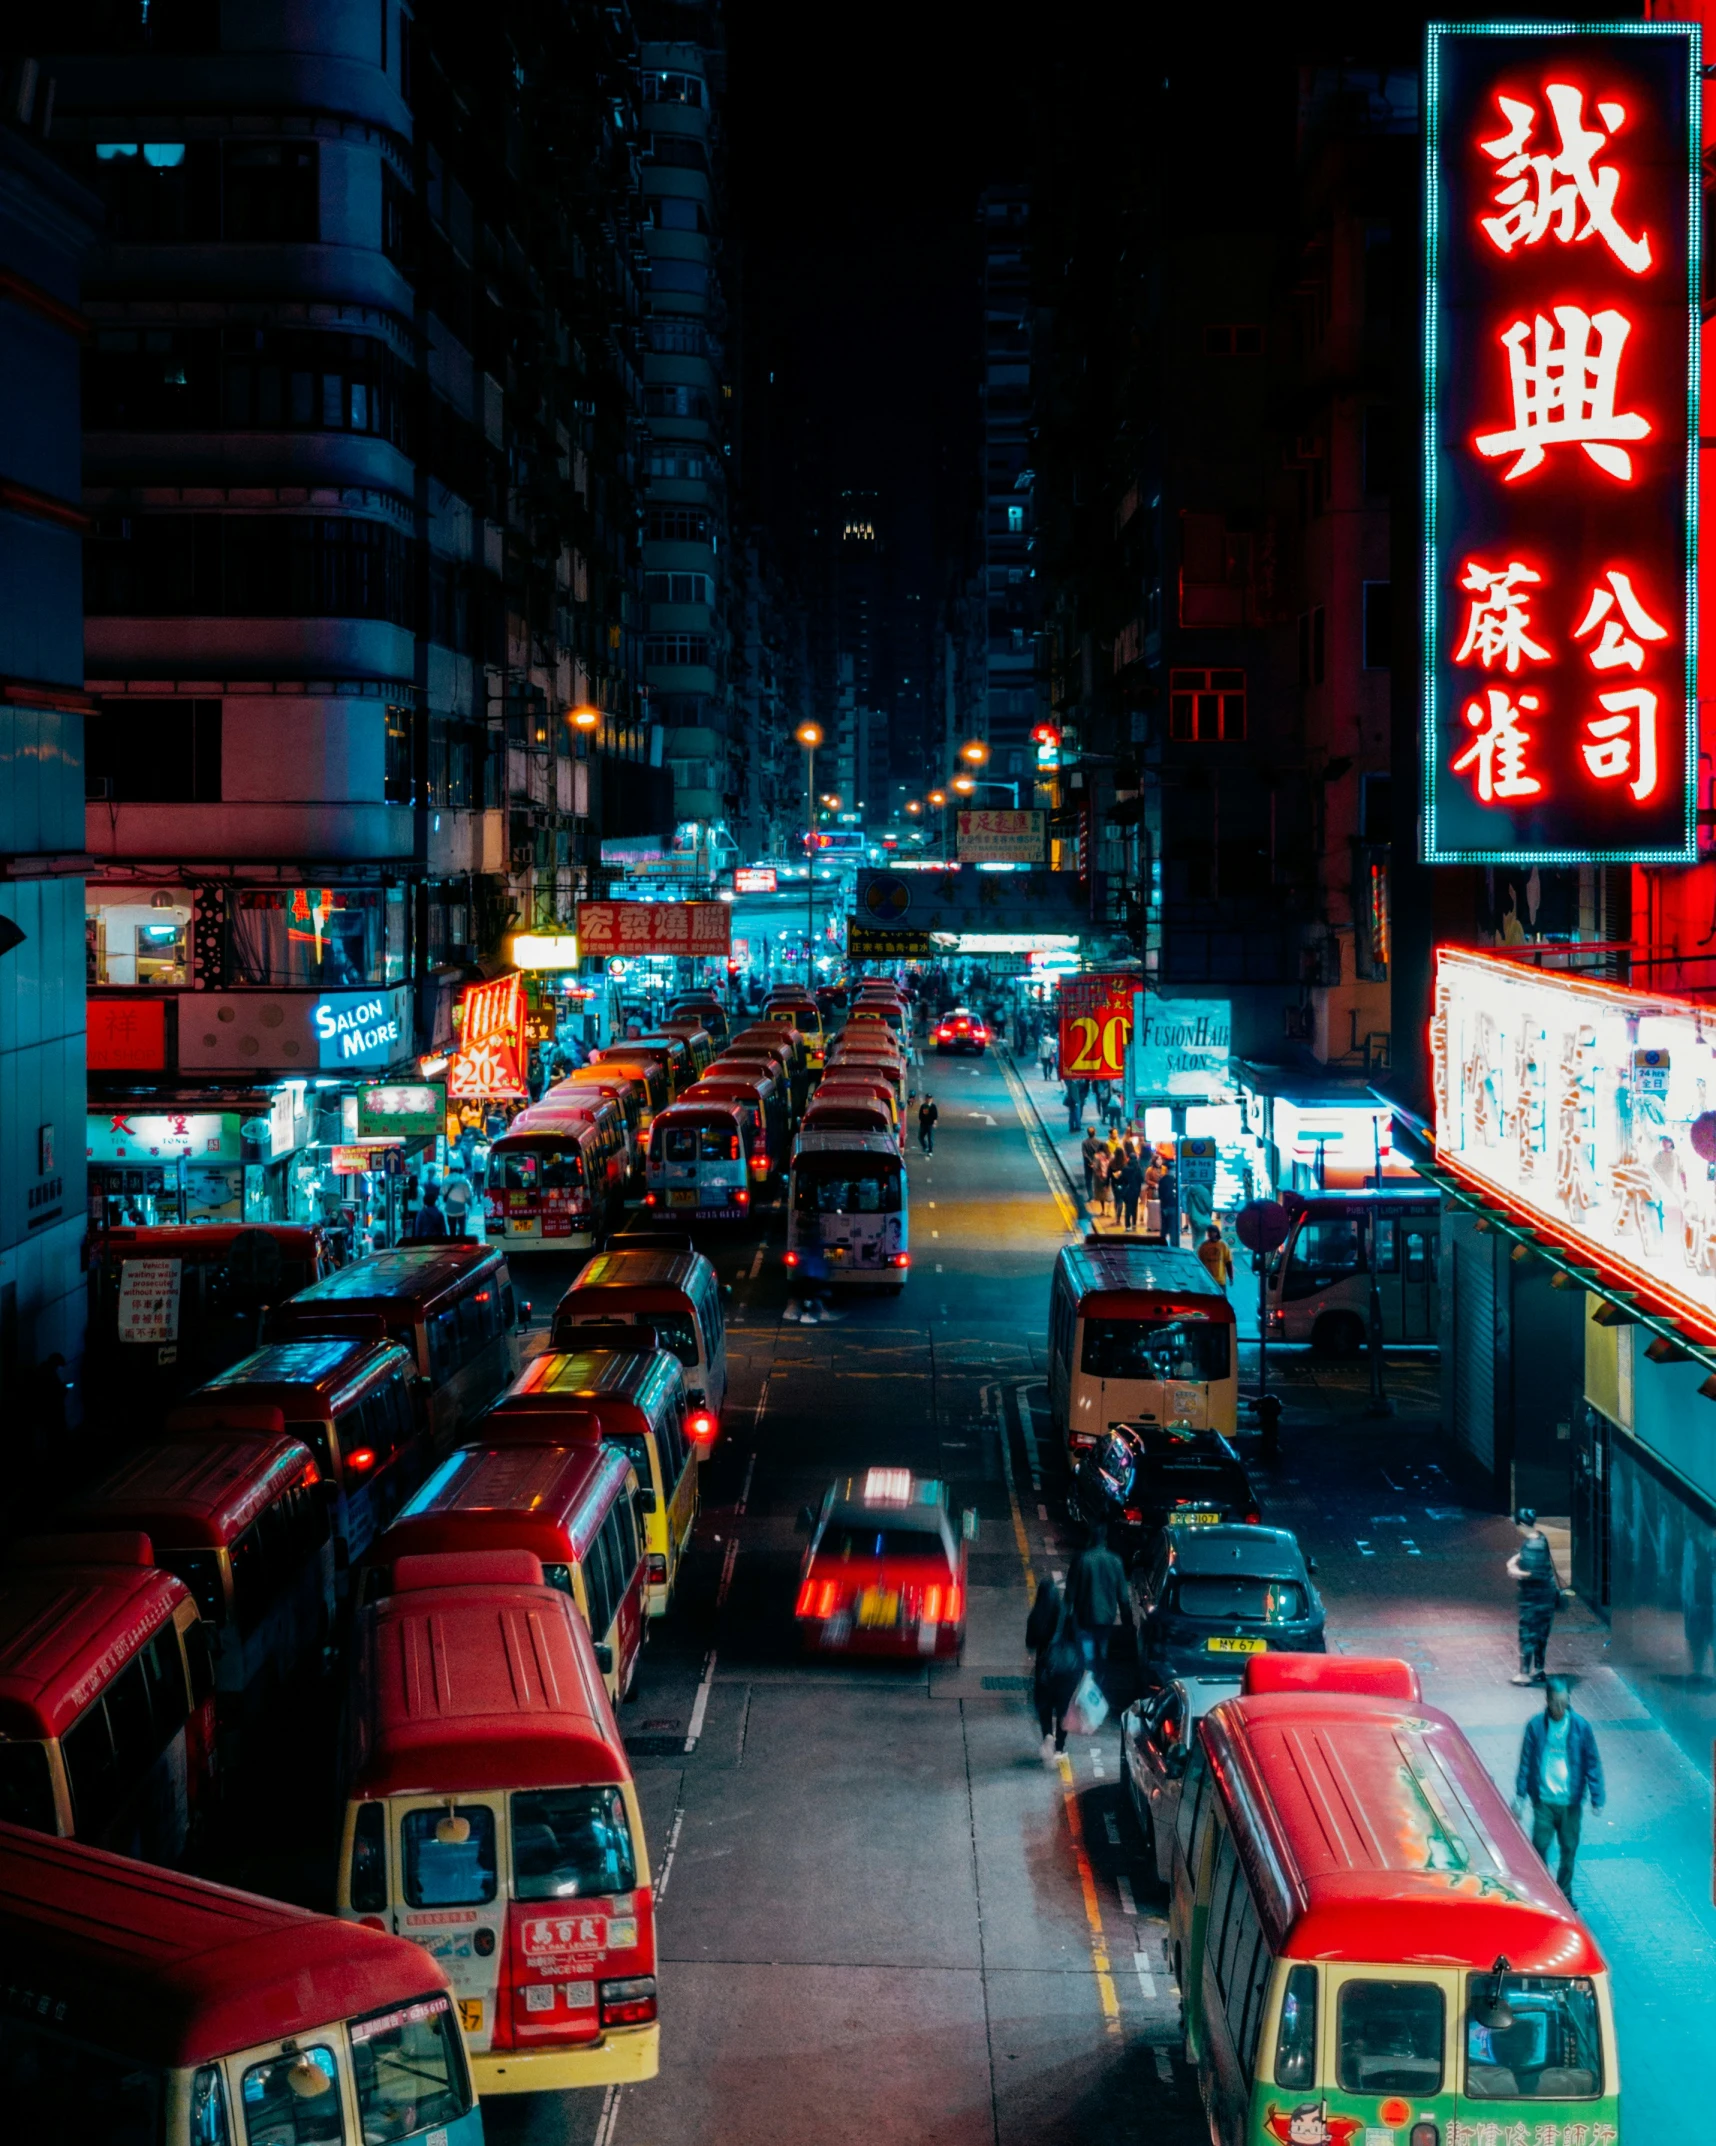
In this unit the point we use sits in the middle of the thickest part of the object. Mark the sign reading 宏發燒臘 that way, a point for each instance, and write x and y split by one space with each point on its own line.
1561 407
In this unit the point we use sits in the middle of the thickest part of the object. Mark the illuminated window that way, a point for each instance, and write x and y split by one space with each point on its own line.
1015 520
1206 707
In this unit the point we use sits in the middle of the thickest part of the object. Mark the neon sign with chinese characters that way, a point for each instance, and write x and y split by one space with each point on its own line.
1561 431
1588 1109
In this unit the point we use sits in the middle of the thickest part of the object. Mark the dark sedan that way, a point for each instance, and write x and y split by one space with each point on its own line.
1142 1477
1208 1596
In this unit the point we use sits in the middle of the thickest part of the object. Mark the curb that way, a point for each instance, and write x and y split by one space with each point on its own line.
1075 1192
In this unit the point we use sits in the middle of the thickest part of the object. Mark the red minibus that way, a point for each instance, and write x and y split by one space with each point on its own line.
146 2008
695 1034
107 1718
635 1398
677 1294
699 1169
491 1818
573 1502
548 1188
242 1518
599 1111
706 1009
673 1053
761 1104
651 1069
627 1093
1366 1941
850 1113
757 1063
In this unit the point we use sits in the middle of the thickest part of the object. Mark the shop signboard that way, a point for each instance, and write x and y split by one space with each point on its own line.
1197 1159
755 879
1561 437
357 1028
872 942
404 1110
494 1054
149 1300
1095 1026
348 1161
1000 837
687 929
162 1136
967 900
1585 1108
545 950
127 1035
1181 1046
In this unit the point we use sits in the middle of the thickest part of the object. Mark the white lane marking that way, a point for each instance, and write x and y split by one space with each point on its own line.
1028 1429
1147 1983
666 1870
1111 1826
1123 1886
756 1265
757 1412
609 2117
1096 1765
745 1490
1164 2068
728 1563
938 1270
935 1233
1364 1548
700 1705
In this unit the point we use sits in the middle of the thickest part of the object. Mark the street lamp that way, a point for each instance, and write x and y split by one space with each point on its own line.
913 807
938 798
976 752
810 737
585 718
964 785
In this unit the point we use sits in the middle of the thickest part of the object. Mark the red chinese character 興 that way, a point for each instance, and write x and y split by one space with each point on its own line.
1544 194
1497 622
1498 748
1564 392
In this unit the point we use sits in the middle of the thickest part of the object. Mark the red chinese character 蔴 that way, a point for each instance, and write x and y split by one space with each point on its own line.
1499 616
1564 392
1498 748
1543 193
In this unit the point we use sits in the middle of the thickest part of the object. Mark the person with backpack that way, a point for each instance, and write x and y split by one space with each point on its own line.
1096 1594
1050 1634
1532 1566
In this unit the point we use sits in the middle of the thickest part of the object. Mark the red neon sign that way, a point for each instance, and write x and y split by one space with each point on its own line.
494 1051
1561 424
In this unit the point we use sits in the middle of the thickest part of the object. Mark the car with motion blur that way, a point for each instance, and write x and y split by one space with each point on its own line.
885 1573
1141 1477
1203 1595
961 1030
1156 1740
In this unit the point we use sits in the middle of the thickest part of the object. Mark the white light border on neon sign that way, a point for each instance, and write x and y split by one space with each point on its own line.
1428 851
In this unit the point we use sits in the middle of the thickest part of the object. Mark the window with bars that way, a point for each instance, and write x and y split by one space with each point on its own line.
1206 707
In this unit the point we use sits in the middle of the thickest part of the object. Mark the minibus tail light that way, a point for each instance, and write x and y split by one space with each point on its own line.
701 1425
741 1198
371 1922
1254 1516
806 1596
628 2002
901 1259
656 1568
955 1603
649 1199
360 1461
792 1259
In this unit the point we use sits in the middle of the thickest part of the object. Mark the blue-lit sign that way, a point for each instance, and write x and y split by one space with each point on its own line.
356 1028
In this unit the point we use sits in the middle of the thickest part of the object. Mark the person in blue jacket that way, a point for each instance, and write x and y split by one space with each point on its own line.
1559 1766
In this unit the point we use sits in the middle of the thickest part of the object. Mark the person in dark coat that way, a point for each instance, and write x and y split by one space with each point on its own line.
1533 1567
1050 1634
1559 1766
429 1221
1096 1594
1129 1189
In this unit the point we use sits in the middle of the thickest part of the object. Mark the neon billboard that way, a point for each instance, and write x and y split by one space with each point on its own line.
1560 443
1588 1109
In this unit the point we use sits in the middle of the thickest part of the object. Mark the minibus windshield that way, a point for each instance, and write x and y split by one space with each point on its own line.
571 1843
1156 1349
1551 2048
450 1857
699 1143
519 1170
408 2071
847 1185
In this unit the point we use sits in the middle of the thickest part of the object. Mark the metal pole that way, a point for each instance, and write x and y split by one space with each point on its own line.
1379 1404
810 870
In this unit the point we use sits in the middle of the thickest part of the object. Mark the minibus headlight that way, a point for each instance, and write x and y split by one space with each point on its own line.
482 1942
629 2001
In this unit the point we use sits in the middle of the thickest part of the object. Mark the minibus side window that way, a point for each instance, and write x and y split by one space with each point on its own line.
1389 2037
1296 2043
442 1869
1221 1893
1233 1969
443 1331
294 2100
625 1547
92 1770
599 1588
369 1859
670 1445
635 1447
208 2108
27 1787
200 1571
571 1844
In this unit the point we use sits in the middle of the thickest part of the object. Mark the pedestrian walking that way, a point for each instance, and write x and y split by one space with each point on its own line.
1130 1189
1076 1093
1050 1635
429 1221
927 1115
1216 1257
1088 1153
1046 1054
1100 1168
456 1200
1096 1595
1559 1766
1114 1110
1533 1567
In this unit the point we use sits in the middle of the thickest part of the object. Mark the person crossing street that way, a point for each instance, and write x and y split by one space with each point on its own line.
928 1113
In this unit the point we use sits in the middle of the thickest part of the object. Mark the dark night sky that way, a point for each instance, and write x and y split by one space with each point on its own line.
858 142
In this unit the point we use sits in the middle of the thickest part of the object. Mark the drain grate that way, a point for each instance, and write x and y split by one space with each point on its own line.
1006 1683
655 1747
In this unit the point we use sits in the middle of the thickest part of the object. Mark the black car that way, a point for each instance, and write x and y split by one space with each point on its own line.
1143 1476
1203 1598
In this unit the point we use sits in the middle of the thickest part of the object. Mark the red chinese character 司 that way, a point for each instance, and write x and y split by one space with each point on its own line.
1625 741
1615 648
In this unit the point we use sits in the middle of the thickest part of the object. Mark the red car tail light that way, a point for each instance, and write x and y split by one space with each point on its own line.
629 2001
792 1259
655 1568
649 1199
741 1198
701 1425
360 1461
931 1610
955 1603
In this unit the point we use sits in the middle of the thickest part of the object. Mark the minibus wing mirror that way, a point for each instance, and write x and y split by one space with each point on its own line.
604 1657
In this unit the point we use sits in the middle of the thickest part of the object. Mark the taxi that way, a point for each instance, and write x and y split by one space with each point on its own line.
885 1572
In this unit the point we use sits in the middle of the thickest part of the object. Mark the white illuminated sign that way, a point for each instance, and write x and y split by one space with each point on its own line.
354 1030
545 950
1008 942
1588 1108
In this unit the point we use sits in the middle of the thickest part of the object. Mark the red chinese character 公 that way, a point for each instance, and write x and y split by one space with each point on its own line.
1499 616
1540 193
1564 393
1632 724
1615 648
1498 749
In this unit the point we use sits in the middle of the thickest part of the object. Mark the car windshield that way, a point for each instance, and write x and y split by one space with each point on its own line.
1234 1596
571 1844
1533 2039
844 1540
1156 1349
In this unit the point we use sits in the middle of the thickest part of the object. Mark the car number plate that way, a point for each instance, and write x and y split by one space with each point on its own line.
1197 1519
471 2014
836 1255
877 1607
1236 1645
682 1199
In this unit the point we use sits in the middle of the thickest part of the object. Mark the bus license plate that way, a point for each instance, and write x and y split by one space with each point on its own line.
876 1608
1234 1645
835 1254
683 1199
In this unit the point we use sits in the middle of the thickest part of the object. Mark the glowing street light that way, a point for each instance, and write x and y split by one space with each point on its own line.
912 806
585 718
964 785
975 751
938 798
